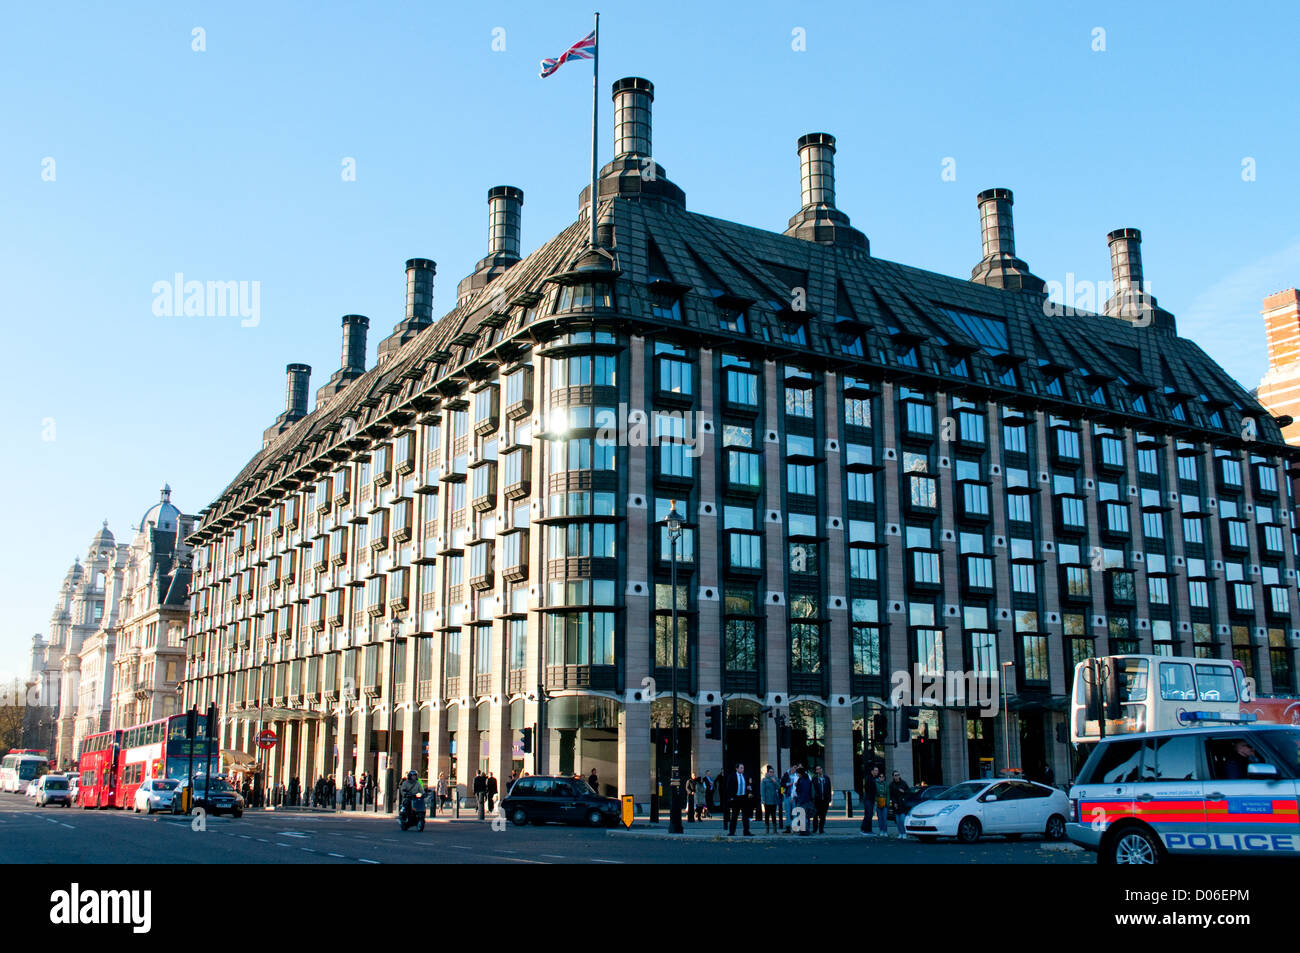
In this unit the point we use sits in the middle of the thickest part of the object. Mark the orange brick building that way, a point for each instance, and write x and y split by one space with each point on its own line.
1279 390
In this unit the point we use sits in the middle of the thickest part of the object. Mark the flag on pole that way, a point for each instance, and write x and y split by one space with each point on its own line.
584 49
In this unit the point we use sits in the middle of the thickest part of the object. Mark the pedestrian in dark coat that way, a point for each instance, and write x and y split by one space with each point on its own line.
491 792
897 793
822 796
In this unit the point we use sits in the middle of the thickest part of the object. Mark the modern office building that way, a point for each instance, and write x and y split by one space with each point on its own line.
882 473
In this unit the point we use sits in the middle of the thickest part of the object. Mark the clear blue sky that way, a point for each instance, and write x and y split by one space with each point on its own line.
225 165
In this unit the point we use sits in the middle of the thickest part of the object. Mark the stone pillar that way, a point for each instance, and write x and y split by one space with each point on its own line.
839 747
952 745
634 753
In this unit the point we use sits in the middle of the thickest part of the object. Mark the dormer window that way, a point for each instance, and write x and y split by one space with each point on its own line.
585 296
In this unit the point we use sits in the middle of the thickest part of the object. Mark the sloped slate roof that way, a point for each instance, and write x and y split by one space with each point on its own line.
896 306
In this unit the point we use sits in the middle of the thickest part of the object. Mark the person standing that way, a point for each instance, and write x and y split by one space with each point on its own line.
897 792
787 794
491 792
691 783
803 801
871 796
771 791
331 791
349 792
738 798
443 791
594 781
822 794
480 793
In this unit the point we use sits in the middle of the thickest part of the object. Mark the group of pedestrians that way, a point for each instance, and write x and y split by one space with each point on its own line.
485 790
879 799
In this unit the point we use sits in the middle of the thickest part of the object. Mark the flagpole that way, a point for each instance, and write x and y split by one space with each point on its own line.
595 83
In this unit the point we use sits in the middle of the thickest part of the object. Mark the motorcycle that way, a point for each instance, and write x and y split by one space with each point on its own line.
412 812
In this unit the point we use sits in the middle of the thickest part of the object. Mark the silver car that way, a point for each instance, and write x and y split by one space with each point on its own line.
155 794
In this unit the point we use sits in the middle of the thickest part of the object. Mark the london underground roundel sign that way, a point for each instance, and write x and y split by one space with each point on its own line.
266 739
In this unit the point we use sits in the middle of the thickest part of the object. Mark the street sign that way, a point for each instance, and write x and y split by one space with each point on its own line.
266 739
627 810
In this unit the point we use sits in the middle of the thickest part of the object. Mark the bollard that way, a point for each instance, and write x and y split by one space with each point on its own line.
455 798
848 803
654 808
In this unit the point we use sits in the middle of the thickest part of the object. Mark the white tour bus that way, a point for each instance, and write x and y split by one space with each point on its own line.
20 768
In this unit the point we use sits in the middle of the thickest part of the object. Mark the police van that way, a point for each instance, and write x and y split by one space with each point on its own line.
1232 790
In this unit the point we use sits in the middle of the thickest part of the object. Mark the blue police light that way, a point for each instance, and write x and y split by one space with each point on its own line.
1219 716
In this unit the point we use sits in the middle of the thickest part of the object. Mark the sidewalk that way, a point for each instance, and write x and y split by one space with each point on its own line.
838 828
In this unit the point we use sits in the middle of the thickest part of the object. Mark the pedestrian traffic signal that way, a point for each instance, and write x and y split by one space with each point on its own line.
191 724
214 728
713 722
526 740
783 736
879 727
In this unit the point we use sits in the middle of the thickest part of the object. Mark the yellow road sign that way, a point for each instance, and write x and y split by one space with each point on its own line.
627 810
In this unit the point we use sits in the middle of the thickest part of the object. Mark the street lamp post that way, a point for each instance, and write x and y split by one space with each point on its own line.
394 631
1006 723
674 534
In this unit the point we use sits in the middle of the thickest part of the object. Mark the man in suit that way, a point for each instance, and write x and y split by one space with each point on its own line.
480 794
740 797
491 792
821 791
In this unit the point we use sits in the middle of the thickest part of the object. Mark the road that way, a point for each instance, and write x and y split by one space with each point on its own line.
29 834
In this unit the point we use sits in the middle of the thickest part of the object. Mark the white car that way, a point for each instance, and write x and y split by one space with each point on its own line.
155 795
969 810
33 786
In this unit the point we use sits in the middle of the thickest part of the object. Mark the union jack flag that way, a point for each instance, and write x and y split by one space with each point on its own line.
584 49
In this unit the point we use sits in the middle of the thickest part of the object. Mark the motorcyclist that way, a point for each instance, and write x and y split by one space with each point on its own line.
411 787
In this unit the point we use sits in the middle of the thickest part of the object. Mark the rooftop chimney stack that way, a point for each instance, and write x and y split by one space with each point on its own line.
354 343
295 391
632 173
1129 299
419 291
818 220
1000 268
505 203
817 169
632 98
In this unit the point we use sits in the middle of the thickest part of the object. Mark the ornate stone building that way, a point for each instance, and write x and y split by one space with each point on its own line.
880 471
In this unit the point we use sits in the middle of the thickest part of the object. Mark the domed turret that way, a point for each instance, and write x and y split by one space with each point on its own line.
163 514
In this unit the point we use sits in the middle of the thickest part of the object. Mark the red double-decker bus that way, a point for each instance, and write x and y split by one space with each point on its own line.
98 766
160 749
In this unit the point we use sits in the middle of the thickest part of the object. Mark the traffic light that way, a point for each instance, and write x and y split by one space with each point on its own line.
713 722
214 729
526 740
879 727
909 719
783 736
191 724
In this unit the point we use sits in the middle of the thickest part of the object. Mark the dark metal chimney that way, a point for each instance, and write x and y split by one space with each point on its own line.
1128 299
632 98
354 343
1000 268
295 391
419 291
818 220
505 204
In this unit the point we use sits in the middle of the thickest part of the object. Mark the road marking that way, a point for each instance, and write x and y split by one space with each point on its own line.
504 851
278 844
556 856
291 834
597 860
458 847
263 840
362 860
245 837
307 849
68 826
332 854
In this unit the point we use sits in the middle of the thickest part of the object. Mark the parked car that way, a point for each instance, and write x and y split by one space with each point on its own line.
74 786
52 789
536 800
155 794
33 786
217 797
969 810
915 795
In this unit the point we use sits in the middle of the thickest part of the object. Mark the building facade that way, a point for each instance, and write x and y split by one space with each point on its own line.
883 475
56 660
149 663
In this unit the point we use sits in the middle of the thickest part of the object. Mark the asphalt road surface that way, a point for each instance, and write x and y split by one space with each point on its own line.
29 834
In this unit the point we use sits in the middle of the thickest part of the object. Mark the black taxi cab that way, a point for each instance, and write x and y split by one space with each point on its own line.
1147 798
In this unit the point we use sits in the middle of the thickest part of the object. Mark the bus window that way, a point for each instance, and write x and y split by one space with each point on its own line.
1131 679
1176 681
1215 683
